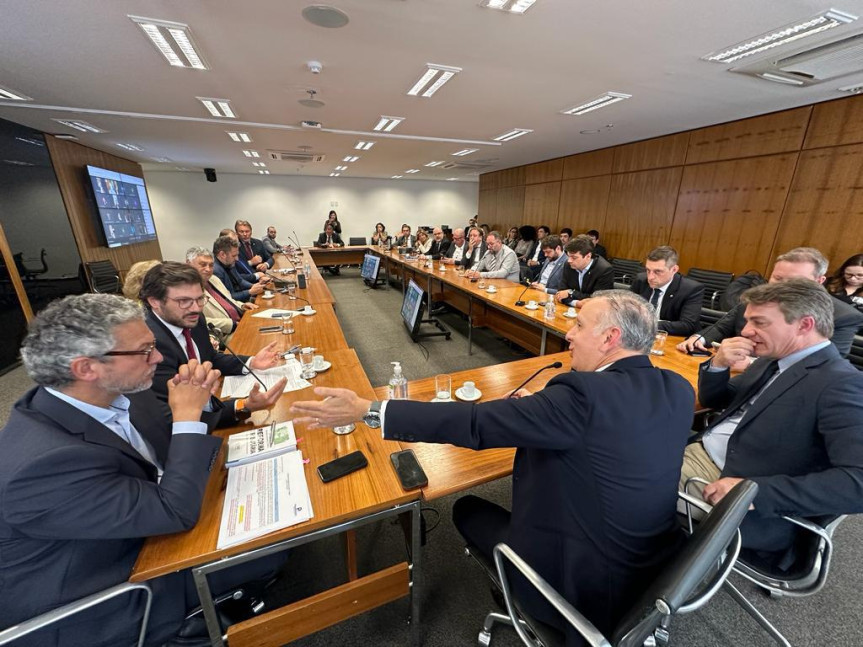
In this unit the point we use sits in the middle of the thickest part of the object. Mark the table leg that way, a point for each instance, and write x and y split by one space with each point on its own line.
349 539
416 554
208 607
542 342
470 325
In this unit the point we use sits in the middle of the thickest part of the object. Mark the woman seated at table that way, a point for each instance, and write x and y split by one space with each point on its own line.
527 233
333 219
381 237
423 243
846 284
512 239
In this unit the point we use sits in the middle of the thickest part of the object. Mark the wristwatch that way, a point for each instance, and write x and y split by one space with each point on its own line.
372 418
241 411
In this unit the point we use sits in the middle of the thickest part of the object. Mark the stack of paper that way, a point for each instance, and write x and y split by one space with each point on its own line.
239 386
263 442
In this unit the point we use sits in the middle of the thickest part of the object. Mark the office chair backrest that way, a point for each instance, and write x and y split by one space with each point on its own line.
102 277
626 269
681 578
856 354
715 283
353 240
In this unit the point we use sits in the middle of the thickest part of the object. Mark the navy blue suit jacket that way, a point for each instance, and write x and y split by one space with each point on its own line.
594 484
600 276
238 286
680 311
258 249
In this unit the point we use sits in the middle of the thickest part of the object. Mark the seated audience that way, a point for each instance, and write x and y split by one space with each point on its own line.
475 249
498 262
846 284
380 237
799 263
423 242
225 254
132 284
333 219
174 299
533 259
220 310
243 268
565 236
406 239
439 245
676 299
512 238
584 274
550 278
596 532
252 250
456 251
792 422
526 242
270 242
598 249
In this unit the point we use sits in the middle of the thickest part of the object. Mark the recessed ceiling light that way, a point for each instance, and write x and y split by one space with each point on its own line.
264 172
778 78
464 151
590 132
65 137
434 163
325 16
512 6
436 75
129 147
412 170
12 95
218 107
259 164
364 146
335 174
512 134
787 34
27 140
386 124
239 137
351 158
162 160
251 153
451 179
341 168
161 33
18 163
601 101
397 177
182 168
77 124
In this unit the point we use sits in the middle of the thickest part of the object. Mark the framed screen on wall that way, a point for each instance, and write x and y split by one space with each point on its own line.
123 207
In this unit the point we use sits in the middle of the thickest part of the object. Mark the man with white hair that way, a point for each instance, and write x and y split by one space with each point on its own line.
221 309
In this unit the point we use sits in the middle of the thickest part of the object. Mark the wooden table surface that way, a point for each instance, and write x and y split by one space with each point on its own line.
320 330
347 255
316 290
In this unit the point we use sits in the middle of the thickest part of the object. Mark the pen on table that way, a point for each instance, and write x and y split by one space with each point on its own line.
272 432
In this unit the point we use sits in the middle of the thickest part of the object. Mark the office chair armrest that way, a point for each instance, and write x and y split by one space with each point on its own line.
22 629
581 624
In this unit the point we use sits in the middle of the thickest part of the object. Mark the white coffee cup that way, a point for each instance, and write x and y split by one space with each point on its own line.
268 294
468 389
532 305
492 289
570 312
307 309
319 362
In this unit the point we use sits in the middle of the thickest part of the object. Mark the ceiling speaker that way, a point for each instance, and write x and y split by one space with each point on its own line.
211 174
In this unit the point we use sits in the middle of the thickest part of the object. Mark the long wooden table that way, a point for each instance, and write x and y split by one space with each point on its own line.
347 255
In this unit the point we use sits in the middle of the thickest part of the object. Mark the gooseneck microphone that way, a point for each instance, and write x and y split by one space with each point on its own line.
296 239
519 302
221 337
544 368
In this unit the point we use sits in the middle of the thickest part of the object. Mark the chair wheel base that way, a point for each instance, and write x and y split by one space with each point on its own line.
484 638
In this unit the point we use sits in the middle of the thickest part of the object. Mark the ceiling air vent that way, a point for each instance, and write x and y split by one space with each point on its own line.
296 156
465 166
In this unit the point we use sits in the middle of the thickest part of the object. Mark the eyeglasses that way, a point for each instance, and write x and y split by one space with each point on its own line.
120 353
184 303
853 276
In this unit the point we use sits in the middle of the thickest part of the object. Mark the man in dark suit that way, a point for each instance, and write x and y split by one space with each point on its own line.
329 238
440 244
91 464
225 253
245 271
792 422
596 530
405 239
800 262
599 250
457 249
174 297
677 300
252 250
550 276
584 274
475 250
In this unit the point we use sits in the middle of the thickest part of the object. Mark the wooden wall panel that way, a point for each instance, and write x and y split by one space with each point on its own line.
550 171
510 207
488 181
69 160
640 211
510 177
780 132
836 123
588 164
825 204
651 153
487 206
728 212
583 204
541 204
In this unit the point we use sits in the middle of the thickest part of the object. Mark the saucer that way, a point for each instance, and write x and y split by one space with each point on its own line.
527 307
569 316
308 313
459 393
440 400
490 291
324 367
267 297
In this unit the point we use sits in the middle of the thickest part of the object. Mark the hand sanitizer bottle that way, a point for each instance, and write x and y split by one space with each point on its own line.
398 384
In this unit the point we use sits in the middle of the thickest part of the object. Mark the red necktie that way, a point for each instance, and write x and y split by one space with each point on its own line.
249 251
227 306
190 347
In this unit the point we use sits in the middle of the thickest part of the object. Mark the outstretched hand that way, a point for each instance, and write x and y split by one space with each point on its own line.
339 407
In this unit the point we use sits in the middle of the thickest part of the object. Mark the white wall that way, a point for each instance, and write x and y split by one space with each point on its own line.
188 210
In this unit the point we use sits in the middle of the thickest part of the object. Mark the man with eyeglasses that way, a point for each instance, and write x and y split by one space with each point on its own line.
90 466
174 297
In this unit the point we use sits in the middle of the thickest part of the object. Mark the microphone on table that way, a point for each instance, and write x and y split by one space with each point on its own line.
544 368
519 302
221 337
296 239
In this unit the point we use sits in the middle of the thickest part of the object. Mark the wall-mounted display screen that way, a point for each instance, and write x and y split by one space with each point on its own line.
124 210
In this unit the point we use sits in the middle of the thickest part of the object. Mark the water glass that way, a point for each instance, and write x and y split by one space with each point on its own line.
342 430
443 387
481 284
292 290
287 325
659 343
307 360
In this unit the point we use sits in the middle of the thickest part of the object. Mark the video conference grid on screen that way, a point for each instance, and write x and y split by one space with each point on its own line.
123 207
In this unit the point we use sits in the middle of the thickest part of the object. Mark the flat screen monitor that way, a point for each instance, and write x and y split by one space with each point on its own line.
123 207
412 306
371 265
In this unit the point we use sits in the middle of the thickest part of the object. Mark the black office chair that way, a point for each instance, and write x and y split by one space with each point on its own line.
357 240
686 583
710 317
48 618
715 283
626 269
856 354
102 277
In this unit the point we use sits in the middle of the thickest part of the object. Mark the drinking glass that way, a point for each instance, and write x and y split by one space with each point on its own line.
292 290
307 359
287 325
659 343
443 387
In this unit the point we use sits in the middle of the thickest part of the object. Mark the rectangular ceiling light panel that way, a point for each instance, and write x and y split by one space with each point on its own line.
433 79
511 6
218 107
599 102
251 153
12 95
240 137
515 133
386 124
434 163
351 158
364 146
465 151
787 34
174 42
77 124
129 147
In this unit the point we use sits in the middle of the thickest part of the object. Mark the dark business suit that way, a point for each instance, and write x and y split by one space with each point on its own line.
680 311
174 356
258 249
594 484
439 249
77 501
406 241
238 286
846 321
469 261
322 240
599 250
600 276
451 249
801 441
555 279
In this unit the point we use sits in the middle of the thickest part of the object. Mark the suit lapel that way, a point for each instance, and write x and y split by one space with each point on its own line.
667 299
160 330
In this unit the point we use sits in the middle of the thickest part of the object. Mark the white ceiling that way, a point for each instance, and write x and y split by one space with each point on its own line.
84 59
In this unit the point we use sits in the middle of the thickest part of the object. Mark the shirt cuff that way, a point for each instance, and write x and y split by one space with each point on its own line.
383 415
189 428
715 369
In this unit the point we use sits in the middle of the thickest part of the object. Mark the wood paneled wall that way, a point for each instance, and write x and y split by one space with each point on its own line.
728 197
69 161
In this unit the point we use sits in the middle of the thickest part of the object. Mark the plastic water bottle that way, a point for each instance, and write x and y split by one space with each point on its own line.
549 308
398 384
307 270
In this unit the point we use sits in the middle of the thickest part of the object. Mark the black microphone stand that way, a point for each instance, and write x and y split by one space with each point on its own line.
544 368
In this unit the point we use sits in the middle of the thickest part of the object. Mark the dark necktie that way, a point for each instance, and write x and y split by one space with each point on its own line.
227 306
654 298
190 347
249 253
755 388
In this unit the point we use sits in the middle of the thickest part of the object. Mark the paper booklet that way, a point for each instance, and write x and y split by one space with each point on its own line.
274 313
264 496
263 442
239 386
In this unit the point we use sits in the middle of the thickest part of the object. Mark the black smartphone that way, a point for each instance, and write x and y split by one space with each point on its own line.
408 469
342 466
270 329
699 353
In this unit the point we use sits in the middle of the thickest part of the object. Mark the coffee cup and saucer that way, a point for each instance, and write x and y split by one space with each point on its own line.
468 392
532 305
